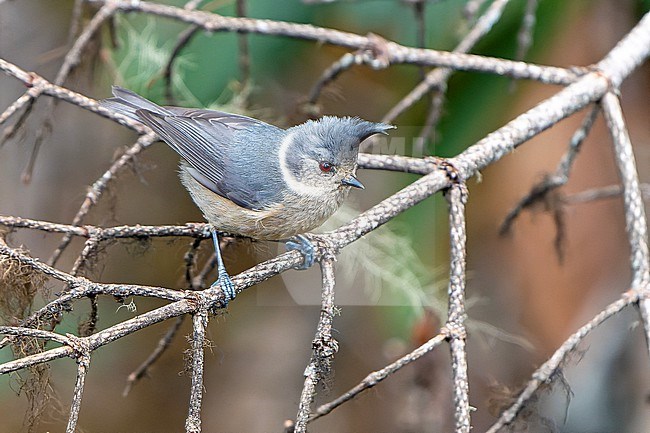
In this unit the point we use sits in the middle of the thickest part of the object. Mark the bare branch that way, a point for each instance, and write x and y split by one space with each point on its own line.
379 50
182 41
72 59
100 185
547 370
105 336
330 74
455 326
75 20
635 216
525 35
35 333
584 87
43 86
24 101
376 377
324 346
437 79
200 322
244 56
90 248
163 344
556 180
543 191
605 192
198 230
83 362
471 9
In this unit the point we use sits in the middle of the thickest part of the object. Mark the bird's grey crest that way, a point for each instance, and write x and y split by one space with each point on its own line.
336 137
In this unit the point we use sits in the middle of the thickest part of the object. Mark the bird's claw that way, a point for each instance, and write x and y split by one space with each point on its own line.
303 245
223 279
226 285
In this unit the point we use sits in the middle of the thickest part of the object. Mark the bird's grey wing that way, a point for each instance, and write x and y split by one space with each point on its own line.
205 138
236 122
223 150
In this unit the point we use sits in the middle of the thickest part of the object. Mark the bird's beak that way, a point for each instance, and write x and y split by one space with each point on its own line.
352 181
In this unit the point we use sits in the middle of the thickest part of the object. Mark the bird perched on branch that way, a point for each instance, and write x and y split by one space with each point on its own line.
254 179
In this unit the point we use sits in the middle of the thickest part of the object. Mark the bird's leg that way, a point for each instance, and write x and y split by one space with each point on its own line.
302 244
223 279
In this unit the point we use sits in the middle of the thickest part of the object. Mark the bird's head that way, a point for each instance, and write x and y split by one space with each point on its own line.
320 156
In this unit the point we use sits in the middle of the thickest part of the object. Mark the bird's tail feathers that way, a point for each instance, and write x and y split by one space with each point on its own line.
127 103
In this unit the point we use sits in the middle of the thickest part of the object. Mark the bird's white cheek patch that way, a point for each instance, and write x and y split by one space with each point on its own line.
294 184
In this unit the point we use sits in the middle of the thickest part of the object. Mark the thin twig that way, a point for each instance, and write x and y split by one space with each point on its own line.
471 9
332 72
419 7
75 20
183 39
200 322
83 362
378 50
100 185
636 221
541 192
378 376
198 282
105 336
71 60
73 57
324 346
34 333
438 78
242 39
181 42
90 248
197 230
24 102
163 344
557 179
79 287
190 260
525 35
87 326
455 326
547 371
605 192
33 80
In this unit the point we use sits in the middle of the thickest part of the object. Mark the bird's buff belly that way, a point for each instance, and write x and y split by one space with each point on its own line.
276 223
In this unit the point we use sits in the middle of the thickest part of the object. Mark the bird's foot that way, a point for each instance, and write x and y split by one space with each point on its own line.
310 246
223 279
227 286
304 246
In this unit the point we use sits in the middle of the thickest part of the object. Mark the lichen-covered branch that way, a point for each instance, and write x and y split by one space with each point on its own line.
324 346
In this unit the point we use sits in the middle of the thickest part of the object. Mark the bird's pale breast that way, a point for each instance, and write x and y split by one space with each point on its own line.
292 216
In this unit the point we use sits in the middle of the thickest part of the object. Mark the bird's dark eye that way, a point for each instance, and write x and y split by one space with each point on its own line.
327 167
